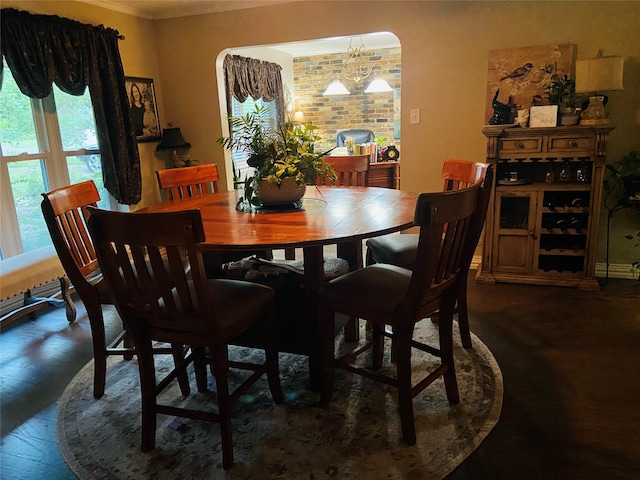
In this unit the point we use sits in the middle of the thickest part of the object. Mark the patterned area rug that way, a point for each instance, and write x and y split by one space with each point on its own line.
356 436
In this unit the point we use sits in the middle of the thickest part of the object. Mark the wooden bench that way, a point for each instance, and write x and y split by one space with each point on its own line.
20 274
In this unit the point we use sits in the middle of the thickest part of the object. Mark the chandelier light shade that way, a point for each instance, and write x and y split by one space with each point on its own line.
336 88
356 68
378 85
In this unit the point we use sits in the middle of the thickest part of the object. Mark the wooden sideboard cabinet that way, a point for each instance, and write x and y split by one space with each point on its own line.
542 222
384 174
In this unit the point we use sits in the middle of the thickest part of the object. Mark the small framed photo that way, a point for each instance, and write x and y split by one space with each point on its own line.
143 108
543 116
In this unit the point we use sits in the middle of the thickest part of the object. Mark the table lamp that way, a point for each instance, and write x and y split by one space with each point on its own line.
173 140
594 76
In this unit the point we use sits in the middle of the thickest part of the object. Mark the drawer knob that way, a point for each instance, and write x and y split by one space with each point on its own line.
573 143
520 145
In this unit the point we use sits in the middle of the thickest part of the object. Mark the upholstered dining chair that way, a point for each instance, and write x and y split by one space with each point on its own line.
187 182
401 249
65 214
389 295
172 301
359 135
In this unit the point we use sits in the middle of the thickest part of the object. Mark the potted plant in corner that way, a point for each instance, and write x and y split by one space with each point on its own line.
284 159
622 186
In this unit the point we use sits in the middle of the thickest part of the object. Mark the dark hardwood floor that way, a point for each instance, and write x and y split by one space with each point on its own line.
570 362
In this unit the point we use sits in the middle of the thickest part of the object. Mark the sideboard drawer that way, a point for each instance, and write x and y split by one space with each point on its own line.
570 144
523 145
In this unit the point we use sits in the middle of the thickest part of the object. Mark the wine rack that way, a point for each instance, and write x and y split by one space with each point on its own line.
543 217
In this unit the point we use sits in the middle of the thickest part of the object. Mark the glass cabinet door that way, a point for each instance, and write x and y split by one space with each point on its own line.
514 238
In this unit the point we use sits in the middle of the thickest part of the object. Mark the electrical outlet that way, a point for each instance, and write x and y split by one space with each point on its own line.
414 115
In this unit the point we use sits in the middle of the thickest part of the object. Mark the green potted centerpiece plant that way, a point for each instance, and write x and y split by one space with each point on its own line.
283 158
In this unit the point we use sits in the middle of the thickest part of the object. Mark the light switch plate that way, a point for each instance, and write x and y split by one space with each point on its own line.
414 115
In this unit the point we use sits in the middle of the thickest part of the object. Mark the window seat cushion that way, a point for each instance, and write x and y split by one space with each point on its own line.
22 273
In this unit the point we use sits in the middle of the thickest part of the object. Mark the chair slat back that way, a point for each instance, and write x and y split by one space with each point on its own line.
461 173
351 170
445 220
154 267
65 214
187 182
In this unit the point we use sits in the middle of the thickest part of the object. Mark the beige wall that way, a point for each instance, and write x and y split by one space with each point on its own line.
444 68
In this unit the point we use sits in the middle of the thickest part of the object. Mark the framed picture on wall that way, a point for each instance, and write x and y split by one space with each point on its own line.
143 108
523 73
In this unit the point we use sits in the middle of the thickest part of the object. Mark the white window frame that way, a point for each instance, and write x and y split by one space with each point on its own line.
53 161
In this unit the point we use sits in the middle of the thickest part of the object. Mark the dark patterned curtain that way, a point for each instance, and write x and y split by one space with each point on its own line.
43 49
246 77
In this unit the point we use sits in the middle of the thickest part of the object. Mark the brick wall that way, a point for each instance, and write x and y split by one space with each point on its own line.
332 113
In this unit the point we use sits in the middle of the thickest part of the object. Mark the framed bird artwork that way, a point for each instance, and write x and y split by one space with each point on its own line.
523 73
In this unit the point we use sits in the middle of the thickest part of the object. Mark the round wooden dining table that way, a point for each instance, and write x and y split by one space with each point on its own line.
328 215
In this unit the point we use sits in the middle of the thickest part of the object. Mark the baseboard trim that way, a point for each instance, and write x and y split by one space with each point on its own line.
616 270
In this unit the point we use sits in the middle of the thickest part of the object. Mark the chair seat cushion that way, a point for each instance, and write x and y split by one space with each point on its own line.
396 249
237 303
378 289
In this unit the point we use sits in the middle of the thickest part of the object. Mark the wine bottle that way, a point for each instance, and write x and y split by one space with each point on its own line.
576 224
563 223
550 203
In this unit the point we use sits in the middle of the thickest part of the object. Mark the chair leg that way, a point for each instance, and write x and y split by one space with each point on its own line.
200 368
446 349
183 379
220 360
96 322
377 353
148 394
327 352
271 357
402 343
463 317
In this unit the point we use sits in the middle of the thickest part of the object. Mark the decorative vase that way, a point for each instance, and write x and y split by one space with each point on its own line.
287 192
595 114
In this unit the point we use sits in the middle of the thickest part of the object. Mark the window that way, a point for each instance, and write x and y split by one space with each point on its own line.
44 144
239 158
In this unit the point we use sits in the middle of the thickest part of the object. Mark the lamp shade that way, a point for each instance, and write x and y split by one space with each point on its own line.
378 85
171 139
336 88
600 74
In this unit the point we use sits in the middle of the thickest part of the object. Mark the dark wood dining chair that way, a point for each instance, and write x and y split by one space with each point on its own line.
401 249
172 301
187 182
389 295
65 214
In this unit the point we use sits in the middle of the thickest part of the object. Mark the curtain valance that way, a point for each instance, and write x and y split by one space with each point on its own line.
44 49
246 77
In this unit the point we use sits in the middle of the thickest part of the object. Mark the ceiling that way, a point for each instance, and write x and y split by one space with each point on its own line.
162 9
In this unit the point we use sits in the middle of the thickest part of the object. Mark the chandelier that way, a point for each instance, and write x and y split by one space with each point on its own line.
356 68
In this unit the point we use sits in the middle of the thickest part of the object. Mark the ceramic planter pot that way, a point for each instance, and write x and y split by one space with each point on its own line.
287 192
